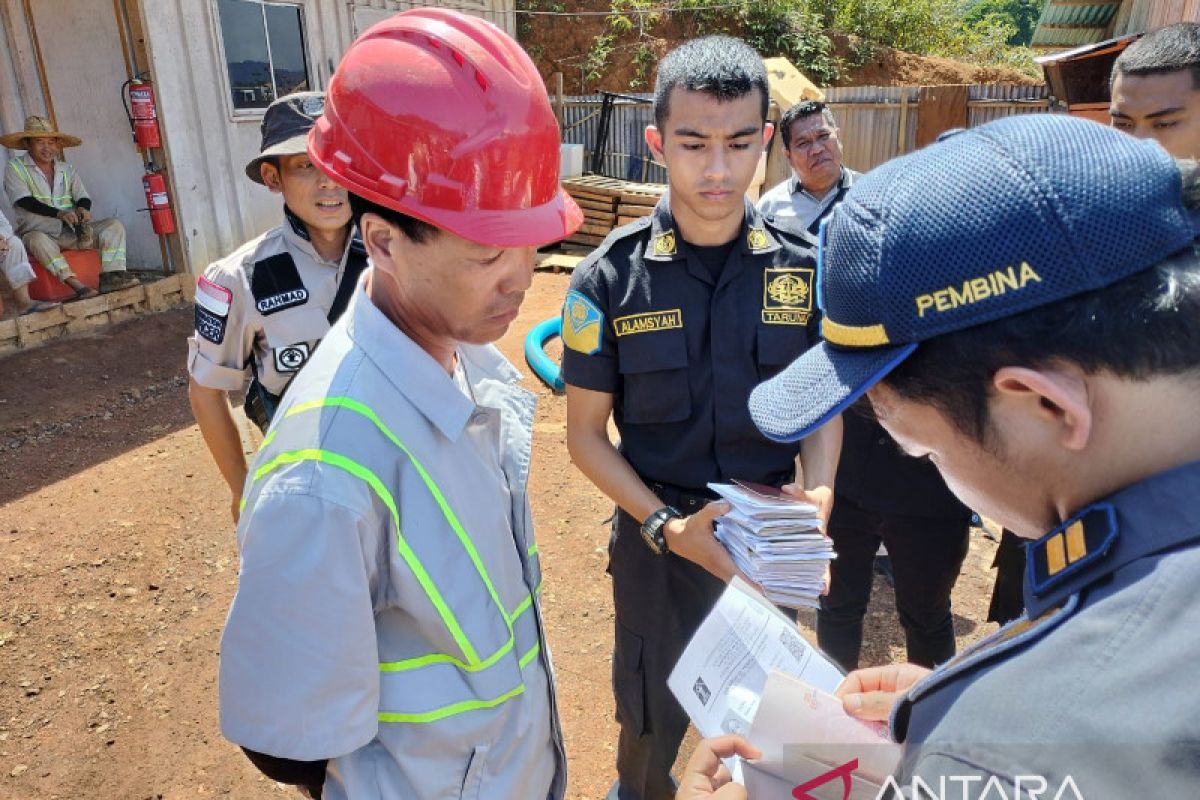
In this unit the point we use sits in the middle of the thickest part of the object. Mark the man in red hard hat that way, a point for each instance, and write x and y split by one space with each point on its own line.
386 639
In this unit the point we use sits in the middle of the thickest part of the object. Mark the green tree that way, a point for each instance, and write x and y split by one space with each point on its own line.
1023 15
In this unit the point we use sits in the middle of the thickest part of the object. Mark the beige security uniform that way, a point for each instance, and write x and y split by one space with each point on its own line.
268 300
46 237
14 261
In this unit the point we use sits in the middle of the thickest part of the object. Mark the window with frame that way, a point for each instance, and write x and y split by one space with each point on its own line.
264 51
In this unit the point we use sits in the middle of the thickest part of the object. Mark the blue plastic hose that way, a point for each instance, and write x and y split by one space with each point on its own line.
535 353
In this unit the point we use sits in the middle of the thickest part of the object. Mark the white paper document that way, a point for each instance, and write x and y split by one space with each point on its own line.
747 670
809 741
720 677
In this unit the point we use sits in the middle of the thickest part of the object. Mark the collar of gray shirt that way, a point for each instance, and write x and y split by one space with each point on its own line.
416 375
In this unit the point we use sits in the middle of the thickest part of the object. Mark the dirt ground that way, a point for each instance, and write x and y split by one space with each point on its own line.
119 564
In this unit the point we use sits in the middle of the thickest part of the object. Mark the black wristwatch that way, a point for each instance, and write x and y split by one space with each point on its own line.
652 529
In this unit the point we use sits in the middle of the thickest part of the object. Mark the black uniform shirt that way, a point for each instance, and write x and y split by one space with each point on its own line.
876 475
680 352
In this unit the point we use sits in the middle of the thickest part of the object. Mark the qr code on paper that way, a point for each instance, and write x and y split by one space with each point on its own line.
794 644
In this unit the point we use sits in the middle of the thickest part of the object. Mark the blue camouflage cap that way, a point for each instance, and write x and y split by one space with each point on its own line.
983 224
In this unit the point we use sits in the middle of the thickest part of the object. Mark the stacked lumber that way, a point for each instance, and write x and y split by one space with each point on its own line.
608 203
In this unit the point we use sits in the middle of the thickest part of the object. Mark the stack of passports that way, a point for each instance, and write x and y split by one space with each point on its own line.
774 539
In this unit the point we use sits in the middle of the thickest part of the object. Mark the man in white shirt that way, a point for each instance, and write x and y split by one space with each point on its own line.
819 180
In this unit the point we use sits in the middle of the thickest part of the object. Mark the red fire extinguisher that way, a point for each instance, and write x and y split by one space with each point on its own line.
154 182
142 113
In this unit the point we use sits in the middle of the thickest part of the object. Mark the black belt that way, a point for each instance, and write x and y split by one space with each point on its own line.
689 501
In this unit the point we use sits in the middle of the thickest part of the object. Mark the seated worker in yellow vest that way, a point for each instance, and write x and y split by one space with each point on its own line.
14 263
54 210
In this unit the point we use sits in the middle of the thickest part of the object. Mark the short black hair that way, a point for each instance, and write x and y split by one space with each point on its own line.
721 66
1143 326
417 230
1170 49
802 110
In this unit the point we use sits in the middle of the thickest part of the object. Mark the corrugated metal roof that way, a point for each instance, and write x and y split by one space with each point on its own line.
1090 16
1069 24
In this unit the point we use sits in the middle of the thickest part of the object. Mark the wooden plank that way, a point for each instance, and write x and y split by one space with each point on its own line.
584 238
187 285
599 219
558 262
596 230
631 199
166 293
105 302
579 185
597 205
593 192
159 292
566 247
88 324
635 211
123 298
613 187
8 330
600 200
939 109
40 337
121 314
42 320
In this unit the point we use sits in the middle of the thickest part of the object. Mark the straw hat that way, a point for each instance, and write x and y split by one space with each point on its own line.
37 127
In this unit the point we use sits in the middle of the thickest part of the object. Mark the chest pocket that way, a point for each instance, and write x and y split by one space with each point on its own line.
778 346
303 324
654 372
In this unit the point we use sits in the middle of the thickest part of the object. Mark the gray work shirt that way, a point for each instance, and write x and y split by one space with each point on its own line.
1094 684
790 206
334 647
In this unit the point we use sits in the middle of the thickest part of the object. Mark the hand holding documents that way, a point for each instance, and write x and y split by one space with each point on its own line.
747 670
719 679
774 539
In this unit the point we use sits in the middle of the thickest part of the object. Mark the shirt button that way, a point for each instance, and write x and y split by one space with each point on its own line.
882 440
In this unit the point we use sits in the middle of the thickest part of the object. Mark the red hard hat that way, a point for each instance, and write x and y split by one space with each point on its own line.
443 117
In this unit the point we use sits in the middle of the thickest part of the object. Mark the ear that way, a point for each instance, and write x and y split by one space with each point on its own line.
271 177
1055 396
379 238
654 141
768 130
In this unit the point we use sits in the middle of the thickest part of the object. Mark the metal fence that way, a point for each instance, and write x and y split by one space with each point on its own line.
627 155
876 122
